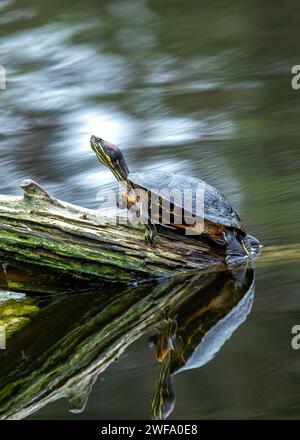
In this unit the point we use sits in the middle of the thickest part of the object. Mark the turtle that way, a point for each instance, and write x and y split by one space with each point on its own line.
196 331
174 204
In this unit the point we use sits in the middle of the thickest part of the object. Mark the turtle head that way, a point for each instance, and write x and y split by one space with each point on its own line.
111 156
252 245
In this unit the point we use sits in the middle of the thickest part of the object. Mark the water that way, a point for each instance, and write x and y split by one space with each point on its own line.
202 89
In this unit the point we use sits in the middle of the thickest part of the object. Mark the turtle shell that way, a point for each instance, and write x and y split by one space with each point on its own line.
217 208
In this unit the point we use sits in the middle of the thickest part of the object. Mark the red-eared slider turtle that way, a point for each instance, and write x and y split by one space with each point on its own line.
200 328
217 219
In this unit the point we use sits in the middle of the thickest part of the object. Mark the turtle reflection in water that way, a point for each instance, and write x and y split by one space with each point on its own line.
196 331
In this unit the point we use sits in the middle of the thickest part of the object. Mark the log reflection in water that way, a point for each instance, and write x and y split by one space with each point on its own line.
198 328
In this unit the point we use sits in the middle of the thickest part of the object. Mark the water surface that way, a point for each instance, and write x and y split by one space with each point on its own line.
200 88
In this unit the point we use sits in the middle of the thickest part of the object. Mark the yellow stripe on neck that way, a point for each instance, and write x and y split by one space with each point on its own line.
245 248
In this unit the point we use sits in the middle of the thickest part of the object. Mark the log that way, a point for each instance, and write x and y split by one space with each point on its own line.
36 228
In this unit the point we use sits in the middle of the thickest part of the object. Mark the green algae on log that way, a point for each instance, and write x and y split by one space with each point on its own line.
36 228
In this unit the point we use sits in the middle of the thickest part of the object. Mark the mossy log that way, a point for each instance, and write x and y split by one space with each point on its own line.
39 229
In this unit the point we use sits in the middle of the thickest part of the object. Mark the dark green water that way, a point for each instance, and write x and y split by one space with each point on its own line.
202 88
